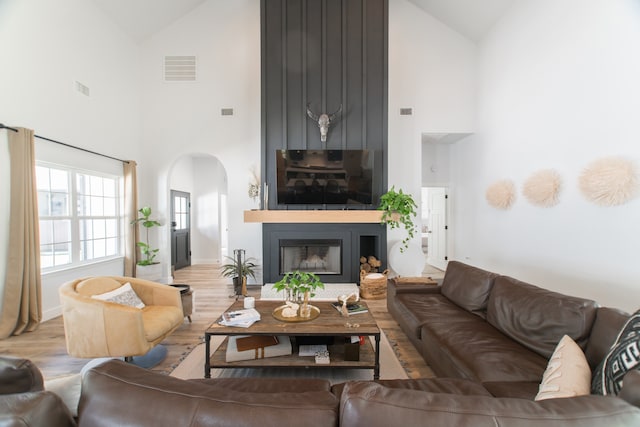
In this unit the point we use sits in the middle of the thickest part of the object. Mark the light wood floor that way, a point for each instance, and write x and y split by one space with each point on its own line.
212 295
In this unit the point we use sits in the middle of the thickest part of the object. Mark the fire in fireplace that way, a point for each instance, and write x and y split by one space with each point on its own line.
319 256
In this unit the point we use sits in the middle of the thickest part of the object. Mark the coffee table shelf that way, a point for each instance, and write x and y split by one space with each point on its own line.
336 351
329 324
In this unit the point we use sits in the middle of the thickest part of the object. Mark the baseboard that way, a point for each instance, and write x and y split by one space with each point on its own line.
51 313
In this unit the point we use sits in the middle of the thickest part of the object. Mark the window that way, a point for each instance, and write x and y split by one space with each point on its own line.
80 216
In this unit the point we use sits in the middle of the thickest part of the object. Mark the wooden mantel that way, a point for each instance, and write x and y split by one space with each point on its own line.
312 216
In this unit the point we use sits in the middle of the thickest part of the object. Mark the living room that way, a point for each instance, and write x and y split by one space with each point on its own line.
531 71
550 85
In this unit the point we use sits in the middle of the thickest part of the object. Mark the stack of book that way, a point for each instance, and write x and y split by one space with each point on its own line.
251 347
241 318
352 308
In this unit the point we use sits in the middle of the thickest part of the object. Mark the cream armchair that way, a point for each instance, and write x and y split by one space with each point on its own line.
96 328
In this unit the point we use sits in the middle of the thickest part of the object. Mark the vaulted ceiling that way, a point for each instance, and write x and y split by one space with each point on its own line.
142 18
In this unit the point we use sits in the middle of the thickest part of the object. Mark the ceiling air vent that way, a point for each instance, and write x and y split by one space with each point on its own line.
179 68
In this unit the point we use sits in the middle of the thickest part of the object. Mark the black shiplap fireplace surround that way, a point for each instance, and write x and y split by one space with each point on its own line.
326 54
356 240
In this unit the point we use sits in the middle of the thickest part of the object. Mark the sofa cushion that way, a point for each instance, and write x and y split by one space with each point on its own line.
538 318
418 309
479 352
370 404
623 357
468 287
568 374
158 319
117 393
97 285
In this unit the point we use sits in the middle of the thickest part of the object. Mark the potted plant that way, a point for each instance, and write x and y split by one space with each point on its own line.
399 208
238 269
147 267
298 286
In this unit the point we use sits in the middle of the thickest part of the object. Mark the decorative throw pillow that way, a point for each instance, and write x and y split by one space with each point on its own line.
622 358
123 295
68 389
568 373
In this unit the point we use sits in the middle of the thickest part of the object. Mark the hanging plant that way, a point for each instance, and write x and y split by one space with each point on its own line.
398 209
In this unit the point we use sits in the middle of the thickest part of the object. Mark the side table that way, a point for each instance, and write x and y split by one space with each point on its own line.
186 295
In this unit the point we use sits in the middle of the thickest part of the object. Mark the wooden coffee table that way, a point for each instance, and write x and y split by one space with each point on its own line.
330 323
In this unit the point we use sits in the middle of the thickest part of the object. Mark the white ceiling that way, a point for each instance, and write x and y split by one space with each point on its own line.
142 18
471 18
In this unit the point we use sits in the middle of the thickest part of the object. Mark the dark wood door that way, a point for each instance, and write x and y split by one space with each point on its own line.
180 229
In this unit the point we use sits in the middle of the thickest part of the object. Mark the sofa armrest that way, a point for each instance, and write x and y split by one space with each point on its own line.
631 388
116 393
19 375
39 408
370 404
97 328
395 288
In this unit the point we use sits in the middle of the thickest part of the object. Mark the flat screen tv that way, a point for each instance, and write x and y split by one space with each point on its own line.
324 177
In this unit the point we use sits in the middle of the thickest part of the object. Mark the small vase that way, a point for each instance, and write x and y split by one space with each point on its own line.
305 308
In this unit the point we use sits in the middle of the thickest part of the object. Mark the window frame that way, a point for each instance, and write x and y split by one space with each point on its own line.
75 215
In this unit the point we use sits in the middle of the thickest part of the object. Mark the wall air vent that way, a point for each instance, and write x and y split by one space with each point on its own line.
179 68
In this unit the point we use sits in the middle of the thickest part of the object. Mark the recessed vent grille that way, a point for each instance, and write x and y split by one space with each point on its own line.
179 68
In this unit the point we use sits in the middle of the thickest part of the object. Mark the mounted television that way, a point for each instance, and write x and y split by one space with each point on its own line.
324 177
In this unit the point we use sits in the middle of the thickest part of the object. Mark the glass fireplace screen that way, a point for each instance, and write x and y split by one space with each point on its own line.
319 256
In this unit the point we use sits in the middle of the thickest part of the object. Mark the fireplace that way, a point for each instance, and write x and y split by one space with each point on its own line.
318 256
330 250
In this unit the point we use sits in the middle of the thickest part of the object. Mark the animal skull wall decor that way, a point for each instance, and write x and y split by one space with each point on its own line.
324 120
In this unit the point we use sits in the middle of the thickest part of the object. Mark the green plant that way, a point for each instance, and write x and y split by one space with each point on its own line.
245 267
297 283
399 208
147 251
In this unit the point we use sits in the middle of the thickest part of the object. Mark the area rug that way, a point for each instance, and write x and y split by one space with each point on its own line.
212 296
390 367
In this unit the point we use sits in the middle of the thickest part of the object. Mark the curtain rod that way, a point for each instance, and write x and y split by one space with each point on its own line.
2 126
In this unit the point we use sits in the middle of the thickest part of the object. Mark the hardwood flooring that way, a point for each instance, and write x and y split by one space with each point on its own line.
212 294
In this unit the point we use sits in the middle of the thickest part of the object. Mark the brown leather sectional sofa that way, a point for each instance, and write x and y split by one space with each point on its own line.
23 400
117 393
488 337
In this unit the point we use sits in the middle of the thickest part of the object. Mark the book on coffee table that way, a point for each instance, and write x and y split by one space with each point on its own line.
242 318
255 341
352 308
311 349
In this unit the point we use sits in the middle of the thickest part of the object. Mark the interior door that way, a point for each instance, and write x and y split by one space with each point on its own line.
180 229
437 228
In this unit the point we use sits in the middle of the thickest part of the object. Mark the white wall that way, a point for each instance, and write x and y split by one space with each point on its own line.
558 89
432 69
182 175
436 164
184 118
46 46
209 188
